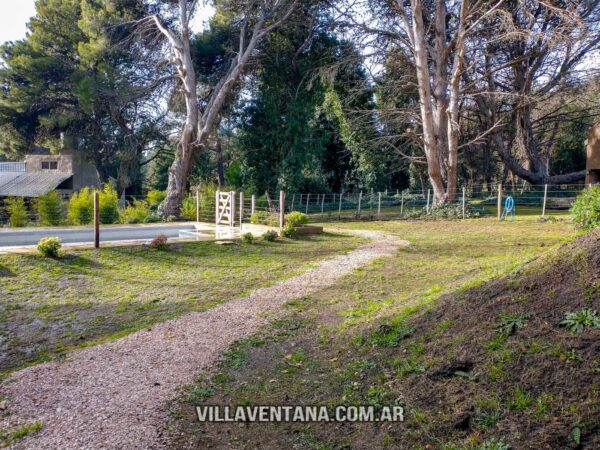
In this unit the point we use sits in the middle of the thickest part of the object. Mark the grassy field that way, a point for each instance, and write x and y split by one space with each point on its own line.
48 306
328 350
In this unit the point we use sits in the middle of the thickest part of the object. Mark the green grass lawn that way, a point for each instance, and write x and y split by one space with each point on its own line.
323 351
50 306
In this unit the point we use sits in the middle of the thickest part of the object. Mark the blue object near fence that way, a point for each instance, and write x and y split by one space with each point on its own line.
509 209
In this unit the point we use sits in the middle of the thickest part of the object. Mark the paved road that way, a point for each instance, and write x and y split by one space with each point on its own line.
76 236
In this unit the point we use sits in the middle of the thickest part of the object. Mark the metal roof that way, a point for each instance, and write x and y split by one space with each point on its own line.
12 167
30 184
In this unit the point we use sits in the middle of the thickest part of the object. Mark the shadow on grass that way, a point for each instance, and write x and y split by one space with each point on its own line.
6 272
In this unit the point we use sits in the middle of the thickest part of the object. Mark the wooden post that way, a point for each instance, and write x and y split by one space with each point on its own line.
500 201
428 200
293 201
379 205
545 200
402 205
96 220
253 207
322 206
198 206
307 202
301 197
281 209
232 217
241 209
340 210
464 202
359 203
217 206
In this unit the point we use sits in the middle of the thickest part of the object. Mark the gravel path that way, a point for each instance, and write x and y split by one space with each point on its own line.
113 396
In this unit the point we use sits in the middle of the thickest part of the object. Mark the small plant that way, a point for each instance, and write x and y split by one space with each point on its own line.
389 335
50 209
109 205
586 209
188 208
248 238
494 444
521 399
408 366
17 212
136 212
264 218
289 231
155 198
577 321
80 210
49 247
509 324
269 236
160 242
296 218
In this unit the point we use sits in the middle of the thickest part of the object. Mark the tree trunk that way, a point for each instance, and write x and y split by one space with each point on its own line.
220 168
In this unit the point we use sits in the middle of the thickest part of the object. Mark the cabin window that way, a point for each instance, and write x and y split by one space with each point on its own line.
49 165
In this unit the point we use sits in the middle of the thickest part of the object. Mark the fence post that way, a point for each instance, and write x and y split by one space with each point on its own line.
340 210
545 200
428 200
307 202
500 201
293 201
232 200
379 205
281 209
96 220
359 203
402 205
253 206
217 206
241 209
322 206
198 206
463 202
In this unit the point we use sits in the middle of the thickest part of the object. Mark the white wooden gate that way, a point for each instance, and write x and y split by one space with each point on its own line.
225 209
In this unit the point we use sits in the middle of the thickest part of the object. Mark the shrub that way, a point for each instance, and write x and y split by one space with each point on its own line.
510 324
264 218
80 210
136 212
160 242
296 218
49 247
586 210
248 238
50 209
17 212
577 321
269 236
188 208
289 231
109 205
453 211
155 198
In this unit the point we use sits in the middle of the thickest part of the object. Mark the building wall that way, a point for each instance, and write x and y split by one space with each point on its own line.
34 163
84 173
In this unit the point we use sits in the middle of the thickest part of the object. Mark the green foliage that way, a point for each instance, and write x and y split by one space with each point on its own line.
109 205
586 210
494 444
50 209
155 198
264 218
49 247
248 238
80 210
577 321
136 212
509 324
296 218
454 211
289 231
188 208
389 334
521 399
269 236
17 212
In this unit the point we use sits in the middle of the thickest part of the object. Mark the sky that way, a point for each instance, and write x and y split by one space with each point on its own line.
16 14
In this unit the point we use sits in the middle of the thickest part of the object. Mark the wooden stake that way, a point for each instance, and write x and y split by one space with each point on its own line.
428 200
232 217
198 206
359 203
281 209
463 202
340 210
322 206
307 202
217 206
500 201
293 201
241 208
545 200
402 205
379 205
253 207
96 220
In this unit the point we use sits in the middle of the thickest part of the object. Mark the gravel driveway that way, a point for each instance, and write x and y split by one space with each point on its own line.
113 396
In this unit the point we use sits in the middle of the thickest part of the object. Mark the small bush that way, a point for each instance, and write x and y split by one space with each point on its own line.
188 208
160 242
17 212
109 205
80 210
289 231
264 218
49 247
586 209
296 218
155 198
509 324
136 212
577 321
269 236
50 209
248 238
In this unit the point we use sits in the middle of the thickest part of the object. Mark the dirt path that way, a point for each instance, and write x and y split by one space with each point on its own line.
113 396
